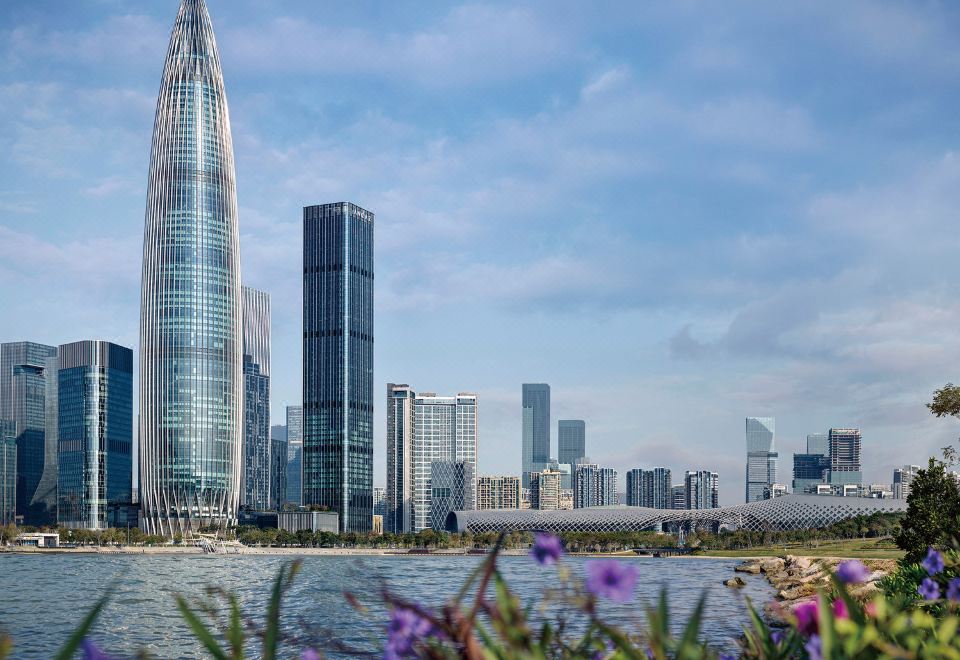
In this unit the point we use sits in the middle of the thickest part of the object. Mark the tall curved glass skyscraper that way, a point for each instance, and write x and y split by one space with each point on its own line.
191 378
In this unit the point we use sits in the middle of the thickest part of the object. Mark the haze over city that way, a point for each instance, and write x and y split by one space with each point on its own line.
678 220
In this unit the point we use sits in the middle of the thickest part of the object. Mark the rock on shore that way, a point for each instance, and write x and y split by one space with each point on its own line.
798 579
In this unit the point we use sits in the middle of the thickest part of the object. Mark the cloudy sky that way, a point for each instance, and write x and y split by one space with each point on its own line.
677 214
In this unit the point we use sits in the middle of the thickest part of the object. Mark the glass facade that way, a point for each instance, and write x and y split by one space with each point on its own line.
256 489
8 472
761 457
338 362
809 470
279 464
444 429
94 432
571 440
294 436
23 401
535 443
400 420
191 353
453 488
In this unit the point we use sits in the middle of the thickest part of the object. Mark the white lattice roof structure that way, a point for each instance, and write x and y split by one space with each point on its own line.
784 513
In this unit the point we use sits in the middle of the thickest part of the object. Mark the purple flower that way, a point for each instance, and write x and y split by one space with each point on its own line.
611 579
91 651
546 549
808 617
777 637
840 610
309 654
814 648
852 572
929 589
405 629
953 590
933 562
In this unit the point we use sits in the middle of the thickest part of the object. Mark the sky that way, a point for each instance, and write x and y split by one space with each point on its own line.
676 214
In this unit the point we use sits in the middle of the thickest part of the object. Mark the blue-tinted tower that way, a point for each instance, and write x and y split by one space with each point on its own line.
23 374
191 357
337 459
95 432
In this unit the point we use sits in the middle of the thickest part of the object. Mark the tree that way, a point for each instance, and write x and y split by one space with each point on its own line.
933 511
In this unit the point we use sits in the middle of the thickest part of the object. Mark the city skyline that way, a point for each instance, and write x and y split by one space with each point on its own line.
664 380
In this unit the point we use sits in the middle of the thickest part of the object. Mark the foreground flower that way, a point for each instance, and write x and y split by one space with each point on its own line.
310 654
840 610
852 572
406 628
953 590
546 549
929 589
933 562
808 617
777 637
814 648
611 579
91 651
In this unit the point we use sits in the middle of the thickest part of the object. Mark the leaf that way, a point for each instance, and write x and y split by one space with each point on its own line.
200 631
272 632
66 653
6 645
235 632
689 645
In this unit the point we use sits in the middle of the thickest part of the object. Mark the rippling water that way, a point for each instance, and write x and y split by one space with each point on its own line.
45 597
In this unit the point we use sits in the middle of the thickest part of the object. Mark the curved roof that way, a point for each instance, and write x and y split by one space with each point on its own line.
788 512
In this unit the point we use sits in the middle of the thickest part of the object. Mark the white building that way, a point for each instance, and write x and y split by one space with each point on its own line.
422 430
902 479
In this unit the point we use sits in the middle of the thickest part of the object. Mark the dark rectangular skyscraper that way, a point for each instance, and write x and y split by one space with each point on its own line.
338 362
23 367
95 432
571 440
535 442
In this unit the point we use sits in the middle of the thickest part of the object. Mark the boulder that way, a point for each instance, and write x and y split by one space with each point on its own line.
735 582
772 565
748 567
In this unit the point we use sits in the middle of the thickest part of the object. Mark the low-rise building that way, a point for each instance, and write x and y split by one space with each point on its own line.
38 540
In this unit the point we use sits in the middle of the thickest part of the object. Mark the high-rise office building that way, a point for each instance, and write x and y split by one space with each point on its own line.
444 429
338 362
903 479
649 488
499 492
47 488
379 501
571 441
95 432
400 423
23 402
702 490
818 443
809 471
8 472
545 490
535 441
294 438
452 488
594 486
191 343
761 469
845 455
678 496
279 466
295 425
256 488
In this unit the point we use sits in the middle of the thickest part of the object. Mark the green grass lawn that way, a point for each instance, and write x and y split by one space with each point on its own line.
849 548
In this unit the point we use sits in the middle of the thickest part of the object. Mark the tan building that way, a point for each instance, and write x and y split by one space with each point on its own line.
545 490
378 525
499 492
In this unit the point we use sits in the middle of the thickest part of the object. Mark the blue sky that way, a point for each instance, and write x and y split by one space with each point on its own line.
677 214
